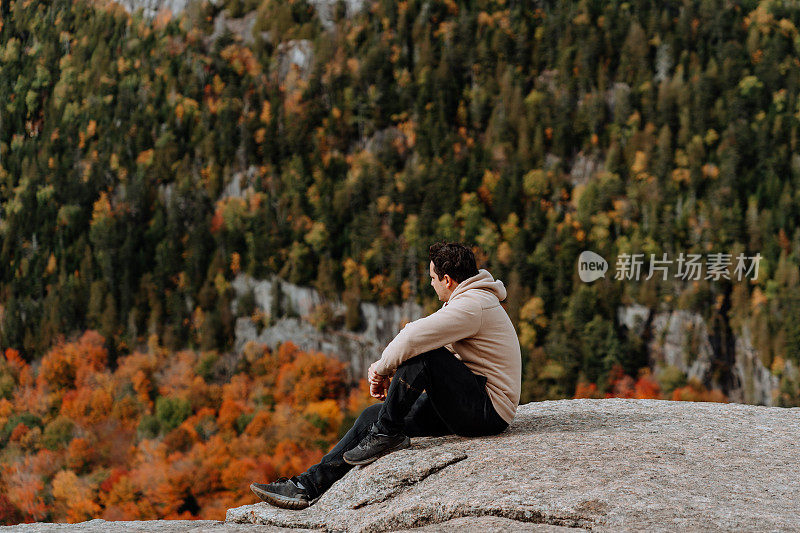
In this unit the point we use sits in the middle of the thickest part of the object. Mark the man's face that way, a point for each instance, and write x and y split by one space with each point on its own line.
444 287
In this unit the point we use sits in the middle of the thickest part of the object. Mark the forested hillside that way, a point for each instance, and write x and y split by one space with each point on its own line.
532 130
145 163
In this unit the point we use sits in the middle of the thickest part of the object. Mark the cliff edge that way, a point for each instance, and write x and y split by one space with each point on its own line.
605 465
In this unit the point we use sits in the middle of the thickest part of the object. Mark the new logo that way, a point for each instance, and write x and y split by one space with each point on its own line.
591 266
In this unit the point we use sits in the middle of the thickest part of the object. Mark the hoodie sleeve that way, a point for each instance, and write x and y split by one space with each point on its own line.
457 320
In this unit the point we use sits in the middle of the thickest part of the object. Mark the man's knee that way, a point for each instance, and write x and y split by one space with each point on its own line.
370 412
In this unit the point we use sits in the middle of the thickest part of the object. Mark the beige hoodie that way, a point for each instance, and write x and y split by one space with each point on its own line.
473 325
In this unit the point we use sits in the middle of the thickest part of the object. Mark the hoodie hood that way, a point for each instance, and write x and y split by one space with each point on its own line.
482 280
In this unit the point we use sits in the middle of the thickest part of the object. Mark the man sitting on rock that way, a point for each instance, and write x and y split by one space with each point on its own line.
456 371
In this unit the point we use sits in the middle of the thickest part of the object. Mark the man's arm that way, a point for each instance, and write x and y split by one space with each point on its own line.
453 322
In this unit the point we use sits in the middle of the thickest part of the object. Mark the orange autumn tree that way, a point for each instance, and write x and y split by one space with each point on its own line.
163 435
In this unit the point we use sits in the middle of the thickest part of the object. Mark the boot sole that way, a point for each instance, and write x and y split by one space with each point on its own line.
361 462
279 500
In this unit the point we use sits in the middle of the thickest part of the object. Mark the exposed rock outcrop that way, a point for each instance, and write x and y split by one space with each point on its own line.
152 7
359 349
241 28
756 382
296 53
241 184
326 10
584 167
605 465
681 339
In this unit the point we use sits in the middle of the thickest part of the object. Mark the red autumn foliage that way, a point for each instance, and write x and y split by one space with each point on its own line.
621 385
153 439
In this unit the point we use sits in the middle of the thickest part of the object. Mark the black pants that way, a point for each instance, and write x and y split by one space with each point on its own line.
431 394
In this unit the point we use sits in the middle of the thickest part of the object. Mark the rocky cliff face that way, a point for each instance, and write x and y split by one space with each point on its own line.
151 7
359 349
681 339
326 9
677 338
605 465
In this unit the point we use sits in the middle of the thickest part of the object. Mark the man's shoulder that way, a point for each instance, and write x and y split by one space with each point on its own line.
466 302
476 298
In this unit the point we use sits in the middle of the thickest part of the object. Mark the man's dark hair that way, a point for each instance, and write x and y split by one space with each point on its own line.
453 259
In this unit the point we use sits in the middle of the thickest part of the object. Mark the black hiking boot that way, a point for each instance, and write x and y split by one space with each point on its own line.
287 493
375 445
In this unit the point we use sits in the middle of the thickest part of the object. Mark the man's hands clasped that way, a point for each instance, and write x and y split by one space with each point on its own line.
378 384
